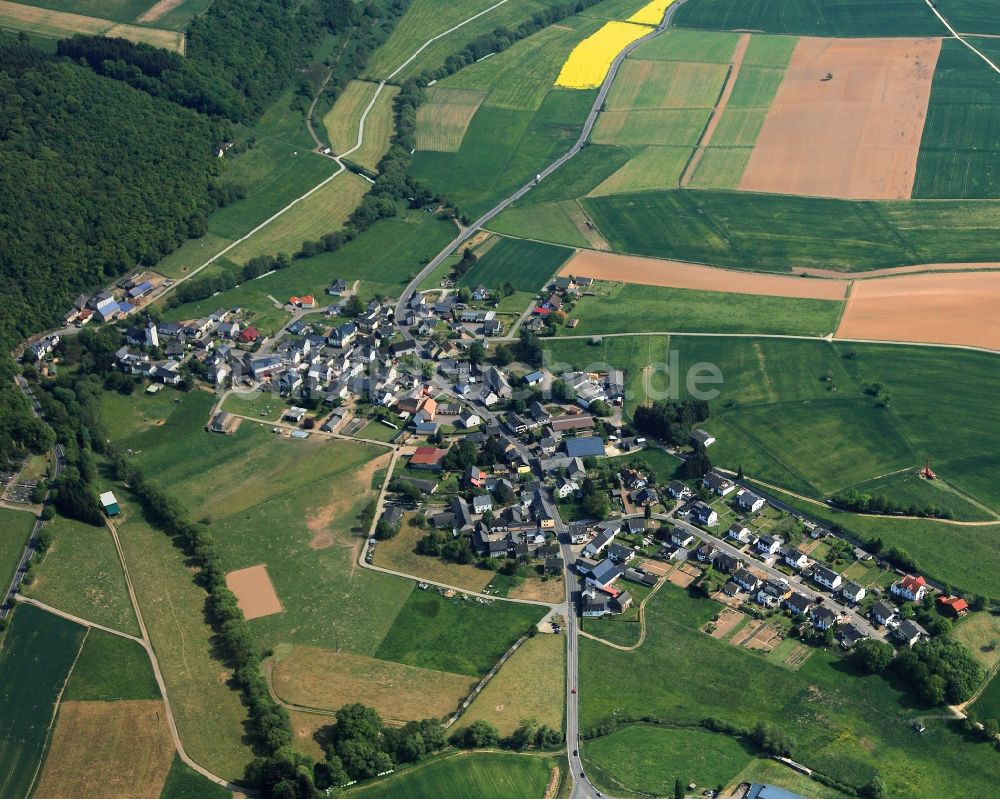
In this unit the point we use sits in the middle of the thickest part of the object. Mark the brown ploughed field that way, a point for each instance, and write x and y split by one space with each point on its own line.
847 120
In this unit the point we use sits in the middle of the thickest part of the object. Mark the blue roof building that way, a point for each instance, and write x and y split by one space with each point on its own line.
762 791
589 446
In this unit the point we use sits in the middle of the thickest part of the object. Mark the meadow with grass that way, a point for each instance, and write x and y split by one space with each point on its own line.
959 152
649 759
81 574
526 265
15 527
633 308
833 18
456 635
531 685
844 724
487 775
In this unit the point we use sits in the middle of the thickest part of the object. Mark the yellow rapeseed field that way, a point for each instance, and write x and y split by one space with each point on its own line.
590 60
652 13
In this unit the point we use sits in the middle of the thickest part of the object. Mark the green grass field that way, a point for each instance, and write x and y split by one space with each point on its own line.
383 259
665 84
526 265
81 574
427 18
775 233
36 658
707 47
632 308
520 77
111 668
970 16
844 724
444 118
649 759
503 149
909 488
652 168
486 775
324 211
462 637
987 706
15 527
674 127
186 783
960 150
813 17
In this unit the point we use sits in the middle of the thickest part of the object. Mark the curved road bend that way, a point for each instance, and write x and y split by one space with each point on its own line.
588 126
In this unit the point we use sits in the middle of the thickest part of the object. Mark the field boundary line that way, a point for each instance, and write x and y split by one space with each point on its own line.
961 37
721 103
27 600
55 713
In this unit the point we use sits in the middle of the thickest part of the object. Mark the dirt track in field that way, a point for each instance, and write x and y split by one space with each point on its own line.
956 308
155 12
677 274
254 591
720 108
897 270
853 135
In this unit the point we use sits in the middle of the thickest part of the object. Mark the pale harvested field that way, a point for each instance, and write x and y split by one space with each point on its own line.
155 12
552 590
444 118
530 685
956 308
677 274
254 591
108 750
854 136
321 678
61 24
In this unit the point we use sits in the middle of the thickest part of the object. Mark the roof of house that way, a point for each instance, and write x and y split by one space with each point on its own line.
883 609
427 456
108 499
763 791
829 575
585 447
956 603
912 584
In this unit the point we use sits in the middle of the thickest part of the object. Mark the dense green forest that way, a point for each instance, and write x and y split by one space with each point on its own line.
106 150
95 178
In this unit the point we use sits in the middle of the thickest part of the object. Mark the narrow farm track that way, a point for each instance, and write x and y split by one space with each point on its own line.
341 168
961 37
155 663
821 504
76 619
642 624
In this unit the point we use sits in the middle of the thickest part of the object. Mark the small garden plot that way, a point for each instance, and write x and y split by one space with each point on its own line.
254 591
791 653
727 622
760 637
684 575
